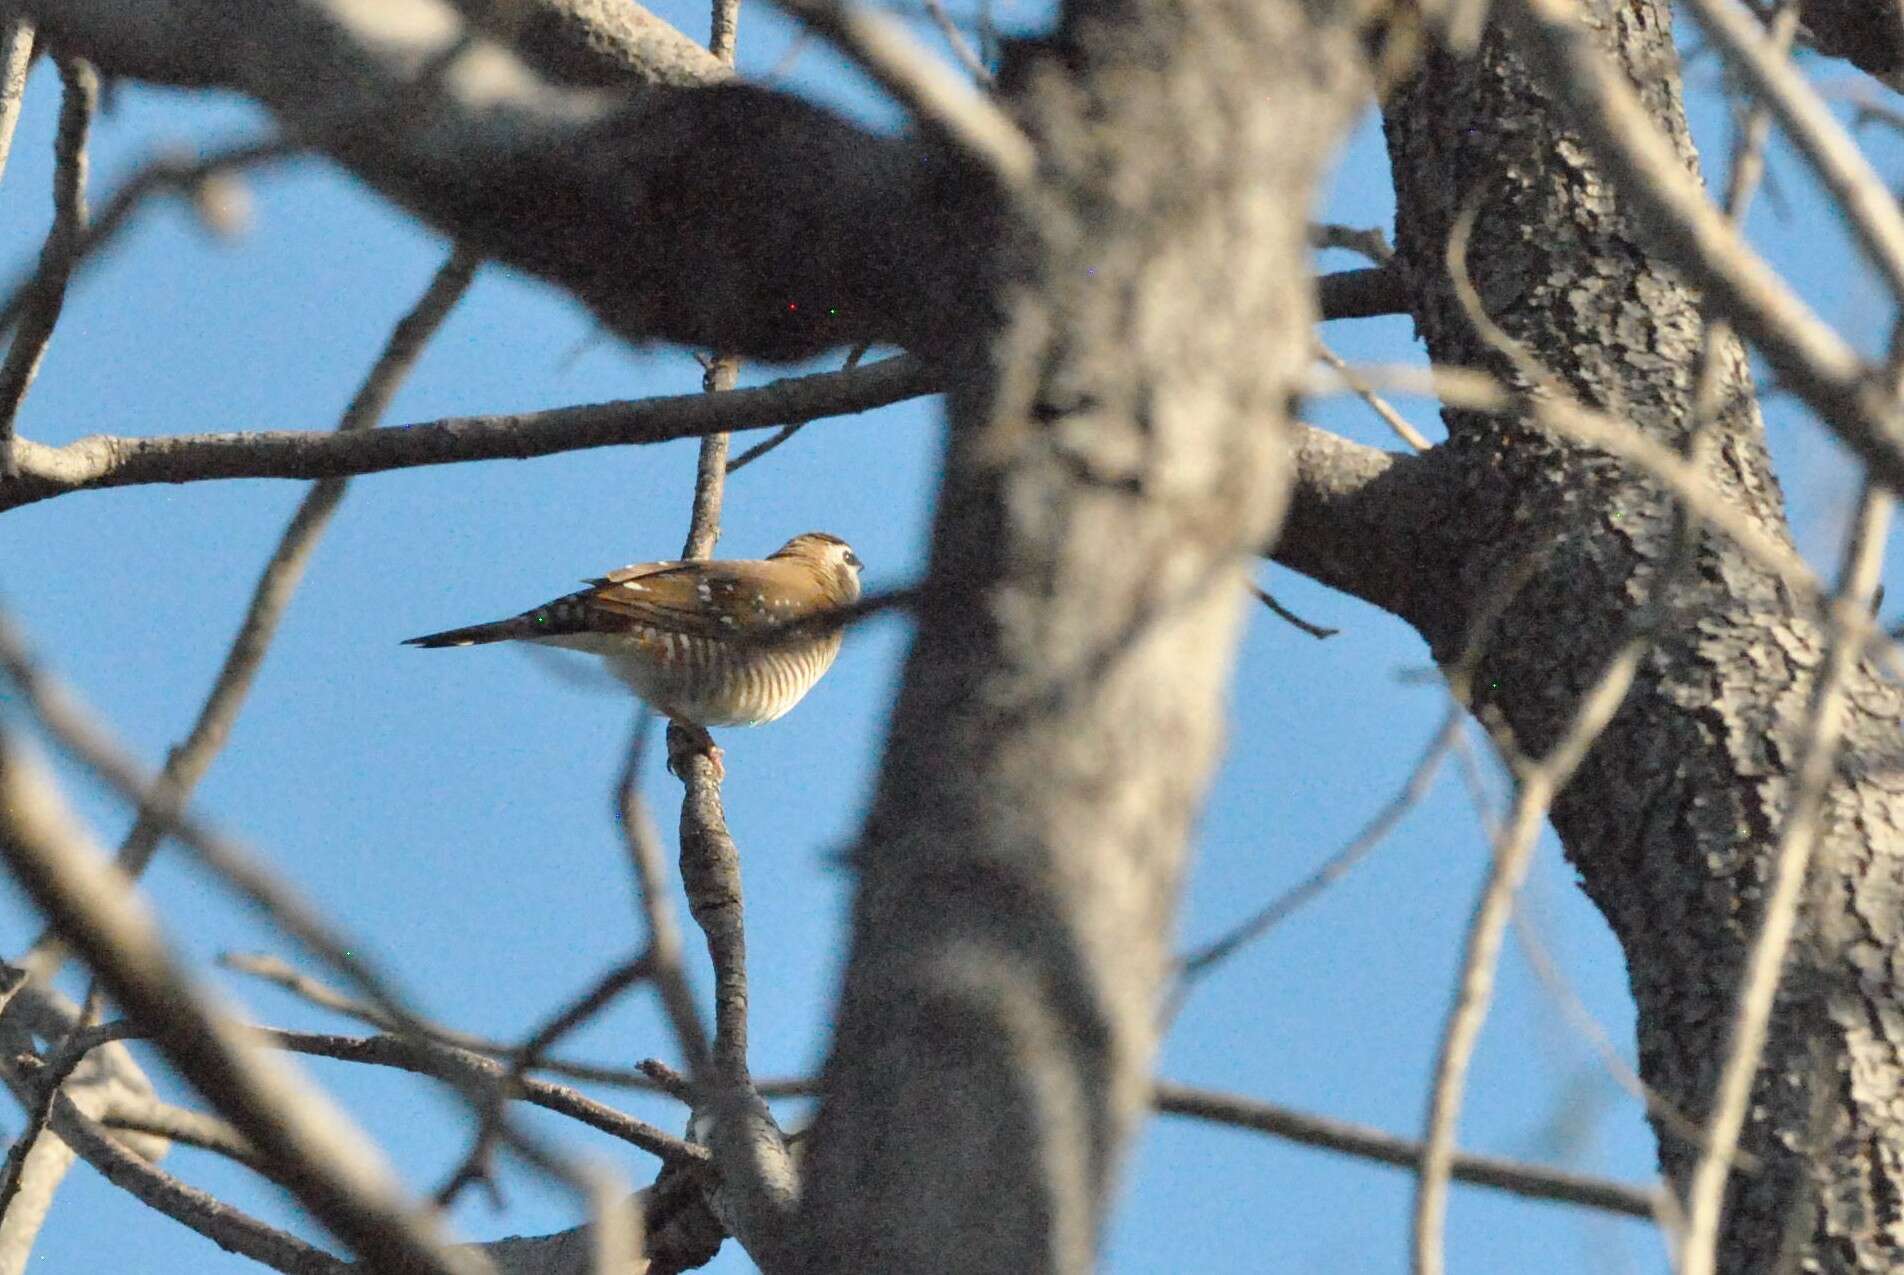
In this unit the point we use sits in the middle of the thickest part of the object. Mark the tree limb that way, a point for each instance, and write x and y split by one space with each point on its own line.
111 461
577 185
309 1144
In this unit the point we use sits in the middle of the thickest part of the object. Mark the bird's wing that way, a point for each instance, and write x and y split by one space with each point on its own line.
705 599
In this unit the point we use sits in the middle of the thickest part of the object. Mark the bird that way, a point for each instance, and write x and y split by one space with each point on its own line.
704 642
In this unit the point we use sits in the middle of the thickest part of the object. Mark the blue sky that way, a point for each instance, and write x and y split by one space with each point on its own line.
451 809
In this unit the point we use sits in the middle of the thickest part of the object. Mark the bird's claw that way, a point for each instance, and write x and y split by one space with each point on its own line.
686 740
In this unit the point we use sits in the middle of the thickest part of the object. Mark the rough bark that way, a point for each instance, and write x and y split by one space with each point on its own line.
1671 820
1118 440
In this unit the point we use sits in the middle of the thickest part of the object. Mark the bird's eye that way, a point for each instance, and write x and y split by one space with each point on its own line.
852 560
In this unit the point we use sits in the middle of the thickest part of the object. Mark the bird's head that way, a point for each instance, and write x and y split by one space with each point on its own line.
831 558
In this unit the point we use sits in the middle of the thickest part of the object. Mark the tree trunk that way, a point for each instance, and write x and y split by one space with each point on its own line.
1672 819
1119 442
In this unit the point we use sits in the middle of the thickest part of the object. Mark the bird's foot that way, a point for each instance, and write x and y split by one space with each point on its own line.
686 740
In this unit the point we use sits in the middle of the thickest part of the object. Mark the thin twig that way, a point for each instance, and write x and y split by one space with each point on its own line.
326 1162
465 1069
187 763
274 971
939 100
719 373
60 1064
787 431
1289 617
1534 792
461 1068
1381 406
670 1081
182 1125
1791 860
1812 359
1531 1180
166 172
961 47
1761 60
76 732
1548 972
664 935
1369 241
492 1120
710 471
1337 865
79 100
1479 391
217 1221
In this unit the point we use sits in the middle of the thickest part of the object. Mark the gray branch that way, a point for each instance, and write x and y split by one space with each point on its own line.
117 461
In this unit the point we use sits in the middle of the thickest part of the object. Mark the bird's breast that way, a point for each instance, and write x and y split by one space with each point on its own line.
710 681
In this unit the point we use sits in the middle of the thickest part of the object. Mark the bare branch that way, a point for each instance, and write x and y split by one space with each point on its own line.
1283 613
1337 865
722 29
79 99
574 183
16 59
940 101
282 975
664 935
53 1075
1355 518
758 1193
1361 294
75 731
465 1069
491 1125
1478 391
108 1075
108 461
1760 58
1379 405
1531 1180
217 1221
182 1125
160 175
1369 241
271 597
961 47
1536 786
786 432
710 473
315 1148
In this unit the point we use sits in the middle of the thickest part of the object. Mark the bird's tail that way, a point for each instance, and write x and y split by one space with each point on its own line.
474 635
